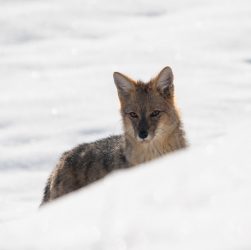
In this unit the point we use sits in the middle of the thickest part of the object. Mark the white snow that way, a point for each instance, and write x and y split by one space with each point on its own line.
56 90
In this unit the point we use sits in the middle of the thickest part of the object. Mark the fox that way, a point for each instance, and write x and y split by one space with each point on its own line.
152 127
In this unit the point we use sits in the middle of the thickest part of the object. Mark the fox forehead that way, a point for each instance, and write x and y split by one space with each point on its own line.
144 98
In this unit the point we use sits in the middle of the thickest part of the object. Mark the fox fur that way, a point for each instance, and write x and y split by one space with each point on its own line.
152 128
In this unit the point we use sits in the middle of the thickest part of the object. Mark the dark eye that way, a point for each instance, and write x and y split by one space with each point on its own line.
133 115
155 113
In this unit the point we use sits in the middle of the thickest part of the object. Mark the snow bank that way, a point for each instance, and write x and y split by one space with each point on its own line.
196 199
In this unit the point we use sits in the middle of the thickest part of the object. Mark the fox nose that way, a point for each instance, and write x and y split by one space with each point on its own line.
143 134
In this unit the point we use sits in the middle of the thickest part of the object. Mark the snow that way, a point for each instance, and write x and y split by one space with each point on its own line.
56 90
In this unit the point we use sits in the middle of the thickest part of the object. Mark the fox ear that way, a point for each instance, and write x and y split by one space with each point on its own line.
164 82
124 84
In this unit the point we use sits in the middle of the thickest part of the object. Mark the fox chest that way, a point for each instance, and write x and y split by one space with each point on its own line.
144 153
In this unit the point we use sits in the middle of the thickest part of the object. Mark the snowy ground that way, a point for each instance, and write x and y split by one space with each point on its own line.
56 90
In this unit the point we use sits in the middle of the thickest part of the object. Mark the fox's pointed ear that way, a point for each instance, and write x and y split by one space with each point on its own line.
164 82
124 84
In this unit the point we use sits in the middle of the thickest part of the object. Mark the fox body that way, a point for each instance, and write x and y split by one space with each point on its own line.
152 127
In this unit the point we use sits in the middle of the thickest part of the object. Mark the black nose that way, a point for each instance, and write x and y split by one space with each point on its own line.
143 134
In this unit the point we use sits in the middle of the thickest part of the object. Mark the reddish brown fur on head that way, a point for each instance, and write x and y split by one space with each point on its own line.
147 109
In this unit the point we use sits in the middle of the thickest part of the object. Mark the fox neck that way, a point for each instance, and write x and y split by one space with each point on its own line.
138 152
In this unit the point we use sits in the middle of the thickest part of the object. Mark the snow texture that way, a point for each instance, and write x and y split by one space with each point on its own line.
56 91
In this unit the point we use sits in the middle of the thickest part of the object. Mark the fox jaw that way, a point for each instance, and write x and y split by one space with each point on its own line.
147 109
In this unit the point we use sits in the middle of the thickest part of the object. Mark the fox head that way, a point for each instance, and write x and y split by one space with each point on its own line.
147 109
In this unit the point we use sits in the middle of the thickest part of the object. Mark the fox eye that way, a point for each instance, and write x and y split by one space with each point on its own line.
155 113
133 115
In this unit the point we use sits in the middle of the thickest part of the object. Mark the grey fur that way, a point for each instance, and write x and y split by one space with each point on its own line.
85 164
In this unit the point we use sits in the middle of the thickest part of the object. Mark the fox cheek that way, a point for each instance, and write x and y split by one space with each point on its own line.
129 122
